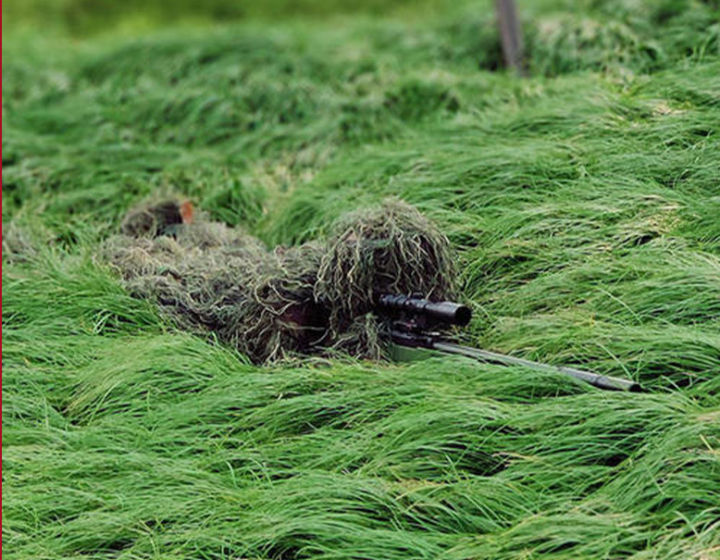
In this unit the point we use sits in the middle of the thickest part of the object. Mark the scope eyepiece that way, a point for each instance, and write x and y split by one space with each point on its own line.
447 312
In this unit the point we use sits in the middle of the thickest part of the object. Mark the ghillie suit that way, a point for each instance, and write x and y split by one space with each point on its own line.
314 297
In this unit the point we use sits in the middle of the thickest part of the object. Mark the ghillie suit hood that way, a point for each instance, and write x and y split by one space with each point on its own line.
314 297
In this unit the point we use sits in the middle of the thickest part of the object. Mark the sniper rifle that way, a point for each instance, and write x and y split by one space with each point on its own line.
416 323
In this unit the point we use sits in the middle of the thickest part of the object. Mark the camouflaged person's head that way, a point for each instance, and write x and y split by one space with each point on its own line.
391 248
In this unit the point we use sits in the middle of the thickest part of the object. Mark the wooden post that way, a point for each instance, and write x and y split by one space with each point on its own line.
510 35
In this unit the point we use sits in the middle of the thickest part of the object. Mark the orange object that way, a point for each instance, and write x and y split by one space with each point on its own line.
187 212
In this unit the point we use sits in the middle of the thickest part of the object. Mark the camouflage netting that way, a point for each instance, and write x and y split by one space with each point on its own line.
315 297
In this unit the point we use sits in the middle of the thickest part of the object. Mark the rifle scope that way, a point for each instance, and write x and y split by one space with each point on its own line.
442 311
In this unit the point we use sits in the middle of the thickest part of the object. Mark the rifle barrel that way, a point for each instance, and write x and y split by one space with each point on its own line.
600 381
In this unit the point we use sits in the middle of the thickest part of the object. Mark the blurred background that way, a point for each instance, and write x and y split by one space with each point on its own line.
87 17
107 101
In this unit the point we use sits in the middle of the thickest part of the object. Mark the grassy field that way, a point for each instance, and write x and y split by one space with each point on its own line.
584 200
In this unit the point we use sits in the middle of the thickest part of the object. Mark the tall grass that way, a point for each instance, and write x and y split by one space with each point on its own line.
584 201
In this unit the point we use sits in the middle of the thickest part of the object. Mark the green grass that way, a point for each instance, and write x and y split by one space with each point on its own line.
584 202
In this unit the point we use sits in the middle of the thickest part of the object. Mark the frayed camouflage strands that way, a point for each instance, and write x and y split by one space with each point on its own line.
315 297
391 249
